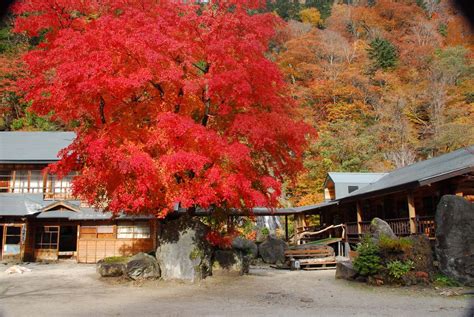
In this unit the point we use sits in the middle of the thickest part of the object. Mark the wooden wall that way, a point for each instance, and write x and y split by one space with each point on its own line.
92 248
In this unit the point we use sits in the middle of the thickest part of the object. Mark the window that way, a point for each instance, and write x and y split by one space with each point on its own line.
20 184
25 181
36 182
13 235
5 180
59 188
47 237
89 232
97 232
133 231
352 188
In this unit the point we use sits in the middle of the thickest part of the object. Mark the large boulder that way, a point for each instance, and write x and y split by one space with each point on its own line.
247 247
272 250
184 253
379 228
142 266
455 238
345 270
421 253
230 262
106 269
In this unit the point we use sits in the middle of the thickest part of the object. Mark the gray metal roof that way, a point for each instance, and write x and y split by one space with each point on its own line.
20 204
361 178
422 173
33 205
33 147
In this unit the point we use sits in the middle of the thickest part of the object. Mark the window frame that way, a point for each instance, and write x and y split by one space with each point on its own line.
133 232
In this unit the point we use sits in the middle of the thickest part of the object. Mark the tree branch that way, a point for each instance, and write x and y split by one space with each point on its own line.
159 88
101 110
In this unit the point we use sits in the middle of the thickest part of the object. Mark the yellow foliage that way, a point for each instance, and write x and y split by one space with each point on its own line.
311 16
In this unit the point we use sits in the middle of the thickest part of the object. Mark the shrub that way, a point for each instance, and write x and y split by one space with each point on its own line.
398 269
445 281
368 262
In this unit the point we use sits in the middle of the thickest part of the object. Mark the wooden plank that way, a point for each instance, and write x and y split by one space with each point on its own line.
315 268
314 261
302 251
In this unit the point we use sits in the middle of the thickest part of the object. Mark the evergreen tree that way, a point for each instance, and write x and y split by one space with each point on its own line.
382 53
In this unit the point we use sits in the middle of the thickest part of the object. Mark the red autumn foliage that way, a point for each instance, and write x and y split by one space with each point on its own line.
222 241
172 102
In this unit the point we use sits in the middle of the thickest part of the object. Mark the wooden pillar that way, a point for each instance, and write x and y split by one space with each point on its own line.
286 227
359 217
299 224
411 212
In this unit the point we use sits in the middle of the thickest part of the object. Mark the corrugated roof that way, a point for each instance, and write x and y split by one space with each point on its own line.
28 147
33 205
341 177
423 173
20 204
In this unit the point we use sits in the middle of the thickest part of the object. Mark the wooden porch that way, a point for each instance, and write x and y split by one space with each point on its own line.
400 226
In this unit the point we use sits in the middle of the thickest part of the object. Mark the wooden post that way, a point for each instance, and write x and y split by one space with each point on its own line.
299 224
411 212
2 240
12 189
286 227
359 218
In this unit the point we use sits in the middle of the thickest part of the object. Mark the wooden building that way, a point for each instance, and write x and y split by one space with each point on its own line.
406 198
39 218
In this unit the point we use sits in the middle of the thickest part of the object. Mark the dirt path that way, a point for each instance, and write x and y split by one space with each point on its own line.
75 290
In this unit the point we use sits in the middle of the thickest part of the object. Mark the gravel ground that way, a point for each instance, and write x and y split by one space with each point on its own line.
67 289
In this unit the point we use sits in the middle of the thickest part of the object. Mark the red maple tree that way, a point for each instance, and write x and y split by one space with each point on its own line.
171 102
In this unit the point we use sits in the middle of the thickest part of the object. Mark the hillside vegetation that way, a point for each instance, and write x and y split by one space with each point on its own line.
386 83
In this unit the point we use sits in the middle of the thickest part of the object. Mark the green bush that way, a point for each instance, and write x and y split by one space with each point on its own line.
445 281
368 262
398 269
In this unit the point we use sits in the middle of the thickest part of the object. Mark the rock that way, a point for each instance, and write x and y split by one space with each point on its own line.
110 269
345 270
379 228
455 238
247 247
142 266
184 253
272 250
421 253
230 262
